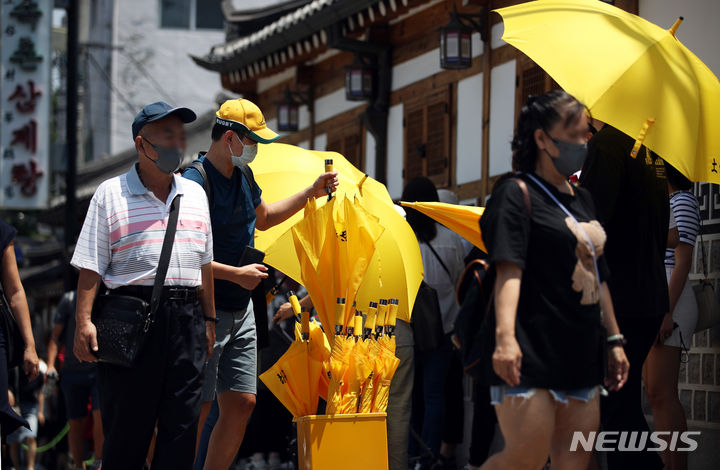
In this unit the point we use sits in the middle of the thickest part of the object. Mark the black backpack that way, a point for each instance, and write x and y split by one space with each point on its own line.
198 165
474 333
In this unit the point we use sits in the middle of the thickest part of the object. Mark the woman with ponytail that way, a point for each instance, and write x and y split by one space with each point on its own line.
552 311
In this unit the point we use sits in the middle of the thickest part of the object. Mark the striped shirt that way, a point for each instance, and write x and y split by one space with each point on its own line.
124 230
686 211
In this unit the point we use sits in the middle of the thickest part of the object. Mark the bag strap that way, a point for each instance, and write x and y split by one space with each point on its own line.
439 259
702 250
200 168
164 262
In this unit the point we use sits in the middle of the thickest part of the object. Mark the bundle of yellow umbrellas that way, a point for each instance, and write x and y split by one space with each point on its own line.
334 246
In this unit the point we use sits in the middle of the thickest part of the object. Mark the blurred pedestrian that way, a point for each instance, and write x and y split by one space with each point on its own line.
30 402
237 208
631 200
119 245
12 290
79 383
547 251
442 256
662 366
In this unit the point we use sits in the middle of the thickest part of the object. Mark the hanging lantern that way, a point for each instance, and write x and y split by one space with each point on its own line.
358 81
287 113
455 44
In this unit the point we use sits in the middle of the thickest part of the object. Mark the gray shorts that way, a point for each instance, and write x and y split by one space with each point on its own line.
233 365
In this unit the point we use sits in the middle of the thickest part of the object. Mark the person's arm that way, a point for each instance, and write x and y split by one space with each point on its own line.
285 311
618 365
85 333
15 293
507 357
673 237
678 278
247 277
207 301
269 215
53 346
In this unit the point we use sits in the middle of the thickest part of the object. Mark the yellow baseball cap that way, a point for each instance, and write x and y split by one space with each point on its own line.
244 116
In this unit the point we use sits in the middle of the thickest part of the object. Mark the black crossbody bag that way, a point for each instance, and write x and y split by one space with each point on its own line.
123 321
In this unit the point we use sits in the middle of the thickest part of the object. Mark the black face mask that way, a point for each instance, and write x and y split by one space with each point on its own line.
169 158
571 157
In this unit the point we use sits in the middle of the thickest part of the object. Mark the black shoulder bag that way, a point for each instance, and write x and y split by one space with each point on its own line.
123 321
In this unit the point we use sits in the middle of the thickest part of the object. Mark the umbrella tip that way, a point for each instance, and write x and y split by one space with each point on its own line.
676 25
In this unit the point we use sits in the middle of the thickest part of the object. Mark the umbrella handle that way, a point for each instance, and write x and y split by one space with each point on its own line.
329 168
641 136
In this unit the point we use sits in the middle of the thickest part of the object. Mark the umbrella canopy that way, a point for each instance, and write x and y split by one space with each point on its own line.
282 170
395 270
463 220
631 73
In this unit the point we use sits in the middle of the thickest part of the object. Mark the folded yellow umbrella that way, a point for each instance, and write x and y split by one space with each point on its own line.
276 381
632 74
463 220
388 365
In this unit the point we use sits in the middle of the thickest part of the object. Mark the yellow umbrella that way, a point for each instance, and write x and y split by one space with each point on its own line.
631 73
463 220
396 268
282 170
388 364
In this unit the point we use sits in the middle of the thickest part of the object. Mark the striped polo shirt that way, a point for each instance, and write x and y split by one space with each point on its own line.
124 230
685 209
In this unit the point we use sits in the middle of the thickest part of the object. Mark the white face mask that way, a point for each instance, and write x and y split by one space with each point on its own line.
248 155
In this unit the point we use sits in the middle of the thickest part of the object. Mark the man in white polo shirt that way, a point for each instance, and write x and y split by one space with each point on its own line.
120 245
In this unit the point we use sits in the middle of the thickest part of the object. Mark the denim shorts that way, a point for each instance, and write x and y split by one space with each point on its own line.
233 365
498 392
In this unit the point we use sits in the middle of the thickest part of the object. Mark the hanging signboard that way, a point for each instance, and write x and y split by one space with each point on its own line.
25 97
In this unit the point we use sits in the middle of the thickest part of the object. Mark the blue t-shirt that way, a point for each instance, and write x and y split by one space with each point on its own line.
233 225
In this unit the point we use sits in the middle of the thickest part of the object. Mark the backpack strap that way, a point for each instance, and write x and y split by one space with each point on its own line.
198 165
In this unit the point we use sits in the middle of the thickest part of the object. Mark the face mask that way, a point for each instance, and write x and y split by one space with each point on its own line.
248 155
571 157
169 158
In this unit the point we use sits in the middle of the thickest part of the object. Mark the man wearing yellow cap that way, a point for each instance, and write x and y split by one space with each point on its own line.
236 209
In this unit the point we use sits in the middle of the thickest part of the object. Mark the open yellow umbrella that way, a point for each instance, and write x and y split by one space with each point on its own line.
282 170
463 220
396 267
632 74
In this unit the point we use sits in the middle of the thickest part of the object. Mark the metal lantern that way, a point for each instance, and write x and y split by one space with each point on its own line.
455 44
287 113
358 81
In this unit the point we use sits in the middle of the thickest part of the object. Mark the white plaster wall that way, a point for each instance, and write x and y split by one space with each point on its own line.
699 31
320 142
425 65
333 104
164 54
304 144
502 116
496 33
469 129
395 151
369 155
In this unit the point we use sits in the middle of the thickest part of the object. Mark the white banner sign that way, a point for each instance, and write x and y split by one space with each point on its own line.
25 97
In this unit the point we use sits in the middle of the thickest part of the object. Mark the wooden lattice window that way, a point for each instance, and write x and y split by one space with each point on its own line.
531 80
427 138
347 140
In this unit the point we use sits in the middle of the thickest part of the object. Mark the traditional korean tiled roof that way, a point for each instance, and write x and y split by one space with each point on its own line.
295 33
